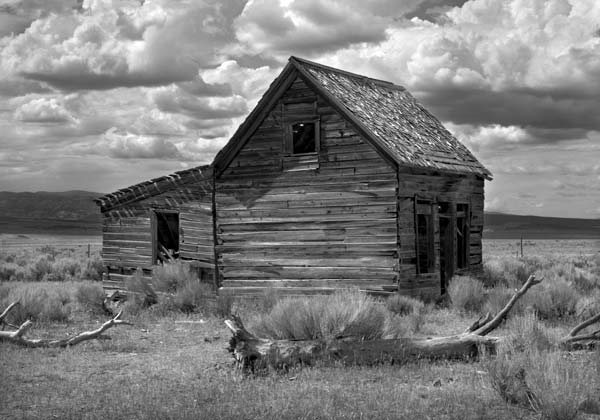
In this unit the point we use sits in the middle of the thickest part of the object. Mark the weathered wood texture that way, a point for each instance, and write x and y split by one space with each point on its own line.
309 223
127 229
436 188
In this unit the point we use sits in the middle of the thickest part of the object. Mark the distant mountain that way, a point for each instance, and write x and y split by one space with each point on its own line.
68 212
74 212
509 226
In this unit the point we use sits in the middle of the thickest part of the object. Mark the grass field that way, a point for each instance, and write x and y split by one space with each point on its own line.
172 365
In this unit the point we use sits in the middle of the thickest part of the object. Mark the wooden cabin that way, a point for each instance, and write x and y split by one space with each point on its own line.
334 180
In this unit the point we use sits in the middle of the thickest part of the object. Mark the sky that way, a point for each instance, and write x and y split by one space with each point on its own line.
101 94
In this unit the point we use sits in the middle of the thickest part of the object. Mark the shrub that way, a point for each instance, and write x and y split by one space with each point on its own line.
91 297
403 305
170 277
560 386
583 280
94 268
527 332
40 268
588 306
498 297
141 293
224 305
342 314
509 271
193 296
37 304
10 271
65 268
545 382
466 293
552 299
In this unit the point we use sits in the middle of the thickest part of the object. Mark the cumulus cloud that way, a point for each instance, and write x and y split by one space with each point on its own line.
244 81
312 26
176 100
44 110
106 45
511 62
125 145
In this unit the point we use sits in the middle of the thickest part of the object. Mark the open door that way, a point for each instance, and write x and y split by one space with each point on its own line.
165 238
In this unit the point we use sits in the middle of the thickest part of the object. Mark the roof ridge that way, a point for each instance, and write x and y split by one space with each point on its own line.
388 84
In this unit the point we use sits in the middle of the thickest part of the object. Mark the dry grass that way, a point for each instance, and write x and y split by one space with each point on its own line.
347 313
50 263
172 365
466 293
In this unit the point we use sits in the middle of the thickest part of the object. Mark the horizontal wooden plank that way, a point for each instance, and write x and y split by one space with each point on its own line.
383 274
306 225
348 213
130 236
335 283
237 260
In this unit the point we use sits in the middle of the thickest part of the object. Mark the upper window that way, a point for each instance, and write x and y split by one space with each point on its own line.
304 139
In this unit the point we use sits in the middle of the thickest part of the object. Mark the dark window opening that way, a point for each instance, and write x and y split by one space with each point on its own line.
462 235
424 236
167 236
303 138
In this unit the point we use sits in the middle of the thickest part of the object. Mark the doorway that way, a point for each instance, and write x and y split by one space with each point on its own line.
165 236
446 245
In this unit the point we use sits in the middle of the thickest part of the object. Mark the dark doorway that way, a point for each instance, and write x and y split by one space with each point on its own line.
166 236
462 235
446 246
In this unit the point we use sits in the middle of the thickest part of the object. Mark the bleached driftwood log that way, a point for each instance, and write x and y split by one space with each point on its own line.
18 336
251 352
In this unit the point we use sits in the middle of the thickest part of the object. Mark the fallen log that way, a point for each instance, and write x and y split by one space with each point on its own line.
252 353
18 336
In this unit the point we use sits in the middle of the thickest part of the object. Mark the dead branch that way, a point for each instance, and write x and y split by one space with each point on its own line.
251 352
18 336
5 313
501 316
573 340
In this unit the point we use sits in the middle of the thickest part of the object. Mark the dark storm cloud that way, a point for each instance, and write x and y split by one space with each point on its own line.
482 107
199 87
82 80
180 102
433 10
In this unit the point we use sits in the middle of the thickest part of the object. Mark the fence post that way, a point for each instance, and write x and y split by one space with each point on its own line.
521 246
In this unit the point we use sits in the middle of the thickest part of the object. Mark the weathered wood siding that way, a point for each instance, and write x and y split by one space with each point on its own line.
438 188
127 229
311 223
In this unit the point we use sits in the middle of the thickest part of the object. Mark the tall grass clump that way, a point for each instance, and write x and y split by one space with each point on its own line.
184 290
553 299
507 271
37 303
466 293
346 313
173 286
91 297
93 268
530 371
544 382
172 276
403 305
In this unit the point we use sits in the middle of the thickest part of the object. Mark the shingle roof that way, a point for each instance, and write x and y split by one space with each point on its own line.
393 119
386 114
153 187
